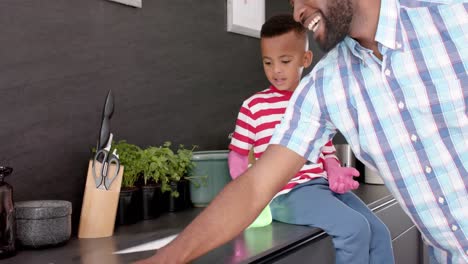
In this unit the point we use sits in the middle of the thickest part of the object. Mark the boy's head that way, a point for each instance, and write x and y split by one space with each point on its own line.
285 51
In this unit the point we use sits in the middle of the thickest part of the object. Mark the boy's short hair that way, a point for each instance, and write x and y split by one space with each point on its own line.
281 24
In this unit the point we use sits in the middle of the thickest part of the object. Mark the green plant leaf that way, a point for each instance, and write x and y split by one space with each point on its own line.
129 156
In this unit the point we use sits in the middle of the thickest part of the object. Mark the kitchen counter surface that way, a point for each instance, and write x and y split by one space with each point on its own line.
253 245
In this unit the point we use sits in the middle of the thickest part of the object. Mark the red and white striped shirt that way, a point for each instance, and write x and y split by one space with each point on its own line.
255 124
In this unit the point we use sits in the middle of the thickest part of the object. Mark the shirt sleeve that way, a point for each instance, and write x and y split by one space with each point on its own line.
329 151
244 133
305 127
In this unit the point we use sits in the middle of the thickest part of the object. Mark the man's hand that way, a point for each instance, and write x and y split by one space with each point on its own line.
340 179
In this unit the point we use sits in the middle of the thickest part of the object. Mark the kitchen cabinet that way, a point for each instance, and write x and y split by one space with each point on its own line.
424 254
318 251
406 247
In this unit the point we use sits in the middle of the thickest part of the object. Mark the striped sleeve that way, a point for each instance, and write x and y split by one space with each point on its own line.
329 151
244 133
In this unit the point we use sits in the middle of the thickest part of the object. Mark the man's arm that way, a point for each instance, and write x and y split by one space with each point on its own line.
235 207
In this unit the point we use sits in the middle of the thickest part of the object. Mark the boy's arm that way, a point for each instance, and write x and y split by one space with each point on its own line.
340 179
241 142
234 208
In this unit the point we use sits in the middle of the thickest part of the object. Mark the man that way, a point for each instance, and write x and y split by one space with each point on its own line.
395 84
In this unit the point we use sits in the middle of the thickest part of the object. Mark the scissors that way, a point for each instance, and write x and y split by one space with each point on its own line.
103 180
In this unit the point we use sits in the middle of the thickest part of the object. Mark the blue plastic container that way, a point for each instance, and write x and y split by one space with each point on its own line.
209 176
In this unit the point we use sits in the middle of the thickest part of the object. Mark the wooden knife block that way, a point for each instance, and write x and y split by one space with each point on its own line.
99 206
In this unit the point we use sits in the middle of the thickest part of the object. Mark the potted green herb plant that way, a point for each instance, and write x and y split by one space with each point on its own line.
154 181
168 175
129 200
179 182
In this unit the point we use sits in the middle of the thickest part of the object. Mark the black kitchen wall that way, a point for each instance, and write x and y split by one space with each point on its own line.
176 73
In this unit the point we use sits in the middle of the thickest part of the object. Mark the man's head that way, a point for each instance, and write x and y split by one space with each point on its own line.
329 20
285 51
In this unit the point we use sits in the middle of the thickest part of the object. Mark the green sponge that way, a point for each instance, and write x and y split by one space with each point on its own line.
263 219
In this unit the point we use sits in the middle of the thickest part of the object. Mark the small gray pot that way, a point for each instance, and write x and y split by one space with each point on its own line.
43 223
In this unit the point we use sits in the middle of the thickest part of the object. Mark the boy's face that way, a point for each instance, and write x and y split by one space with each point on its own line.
284 58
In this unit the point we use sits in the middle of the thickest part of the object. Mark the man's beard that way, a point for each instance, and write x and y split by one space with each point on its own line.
337 23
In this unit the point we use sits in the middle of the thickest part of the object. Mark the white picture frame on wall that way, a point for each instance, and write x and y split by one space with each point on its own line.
245 17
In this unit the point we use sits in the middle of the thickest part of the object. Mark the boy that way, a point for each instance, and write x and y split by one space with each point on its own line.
307 199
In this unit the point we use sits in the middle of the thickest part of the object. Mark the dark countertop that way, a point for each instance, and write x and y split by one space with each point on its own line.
252 245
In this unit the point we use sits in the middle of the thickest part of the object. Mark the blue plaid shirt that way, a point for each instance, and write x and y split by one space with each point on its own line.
405 115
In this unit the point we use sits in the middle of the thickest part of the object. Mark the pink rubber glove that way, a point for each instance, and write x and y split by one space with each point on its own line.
237 164
340 179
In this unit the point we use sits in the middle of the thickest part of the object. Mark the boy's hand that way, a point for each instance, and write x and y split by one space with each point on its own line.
340 179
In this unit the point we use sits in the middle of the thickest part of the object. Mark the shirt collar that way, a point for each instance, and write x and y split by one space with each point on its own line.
389 27
274 89
388 35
